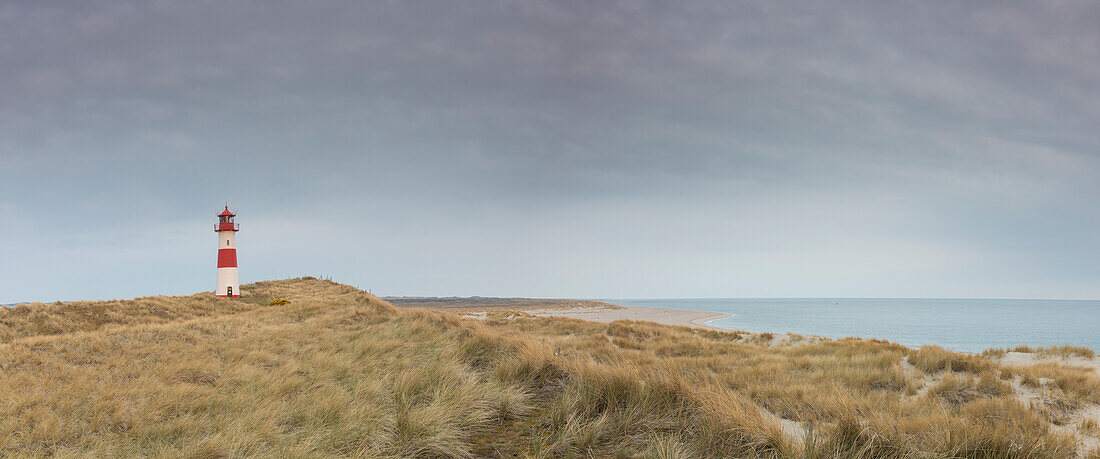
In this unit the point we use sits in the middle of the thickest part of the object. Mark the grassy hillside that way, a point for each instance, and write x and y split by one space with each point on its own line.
340 372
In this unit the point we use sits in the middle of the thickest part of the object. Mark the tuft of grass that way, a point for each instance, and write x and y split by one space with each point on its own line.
850 438
960 390
932 359
1090 426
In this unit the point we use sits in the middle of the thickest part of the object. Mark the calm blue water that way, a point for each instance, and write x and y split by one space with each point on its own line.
961 325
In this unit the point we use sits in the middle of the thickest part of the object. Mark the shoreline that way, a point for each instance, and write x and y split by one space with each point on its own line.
604 312
701 319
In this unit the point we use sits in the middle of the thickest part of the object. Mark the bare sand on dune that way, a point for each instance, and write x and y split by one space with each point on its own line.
697 319
1027 358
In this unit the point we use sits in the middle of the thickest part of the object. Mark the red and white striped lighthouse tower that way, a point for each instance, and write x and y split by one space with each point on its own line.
228 284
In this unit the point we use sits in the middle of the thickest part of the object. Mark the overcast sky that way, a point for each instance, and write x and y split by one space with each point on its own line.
562 149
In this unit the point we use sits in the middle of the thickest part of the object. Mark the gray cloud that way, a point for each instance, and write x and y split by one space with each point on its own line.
554 148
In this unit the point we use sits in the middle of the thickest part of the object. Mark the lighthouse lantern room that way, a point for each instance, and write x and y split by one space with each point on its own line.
228 283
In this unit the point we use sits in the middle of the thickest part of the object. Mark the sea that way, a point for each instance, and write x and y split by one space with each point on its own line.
966 325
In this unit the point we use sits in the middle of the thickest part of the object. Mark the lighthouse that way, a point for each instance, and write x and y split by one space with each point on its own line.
228 284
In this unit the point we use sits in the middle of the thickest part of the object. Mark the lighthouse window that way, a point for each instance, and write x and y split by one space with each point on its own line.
226 242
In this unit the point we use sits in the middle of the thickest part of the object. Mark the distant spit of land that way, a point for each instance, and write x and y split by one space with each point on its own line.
485 302
595 311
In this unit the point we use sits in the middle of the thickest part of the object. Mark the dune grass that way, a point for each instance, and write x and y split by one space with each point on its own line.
338 372
1059 351
931 359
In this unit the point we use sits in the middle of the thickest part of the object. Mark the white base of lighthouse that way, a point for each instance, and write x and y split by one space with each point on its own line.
228 284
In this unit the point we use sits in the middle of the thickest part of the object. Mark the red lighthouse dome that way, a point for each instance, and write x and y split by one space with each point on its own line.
225 221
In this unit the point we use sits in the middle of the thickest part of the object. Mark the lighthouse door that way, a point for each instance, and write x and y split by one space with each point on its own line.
229 291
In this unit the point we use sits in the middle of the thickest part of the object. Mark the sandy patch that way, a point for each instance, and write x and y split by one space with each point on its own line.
680 317
1071 419
696 319
1026 358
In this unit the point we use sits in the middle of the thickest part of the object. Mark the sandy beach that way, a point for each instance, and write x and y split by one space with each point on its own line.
596 311
611 313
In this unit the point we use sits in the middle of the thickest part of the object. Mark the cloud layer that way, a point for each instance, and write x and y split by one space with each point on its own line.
582 149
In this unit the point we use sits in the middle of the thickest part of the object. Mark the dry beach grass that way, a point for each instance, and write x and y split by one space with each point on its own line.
338 372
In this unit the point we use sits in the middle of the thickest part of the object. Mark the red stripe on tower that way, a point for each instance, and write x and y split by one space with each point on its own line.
227 258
